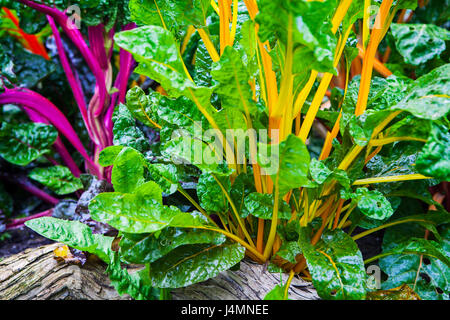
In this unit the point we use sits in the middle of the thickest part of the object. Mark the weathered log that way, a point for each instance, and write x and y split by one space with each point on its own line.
36 274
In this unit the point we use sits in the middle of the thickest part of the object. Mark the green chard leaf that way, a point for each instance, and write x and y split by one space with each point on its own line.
372 203
20 144
74 234
261 206
159 58
58 179
137 284
428 97
233 85
147 248
434 160
141 211
311 30
210 194
191 264
419 43
287 163
336 265
125 131
429 276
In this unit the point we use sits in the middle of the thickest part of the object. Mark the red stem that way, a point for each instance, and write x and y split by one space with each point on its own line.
17 223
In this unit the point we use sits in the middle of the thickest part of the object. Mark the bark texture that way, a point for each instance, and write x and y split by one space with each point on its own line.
36 275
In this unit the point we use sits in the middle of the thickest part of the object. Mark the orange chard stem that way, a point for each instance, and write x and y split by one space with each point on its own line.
369 56
338 213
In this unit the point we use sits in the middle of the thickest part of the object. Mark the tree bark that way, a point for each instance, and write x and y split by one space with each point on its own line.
36 275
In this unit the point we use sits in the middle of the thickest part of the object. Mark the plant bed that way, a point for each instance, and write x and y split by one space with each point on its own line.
313 142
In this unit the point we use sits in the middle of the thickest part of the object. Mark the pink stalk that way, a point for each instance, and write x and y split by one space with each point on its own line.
29 187
121 82
77 38
73 82
17 223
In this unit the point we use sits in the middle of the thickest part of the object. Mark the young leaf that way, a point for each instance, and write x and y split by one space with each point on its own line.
22 143
125 131
58 178
276 293
137 285
128 170
261 206
373 204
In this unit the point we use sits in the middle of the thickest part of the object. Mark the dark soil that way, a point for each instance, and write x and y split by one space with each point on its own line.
370 245
20 239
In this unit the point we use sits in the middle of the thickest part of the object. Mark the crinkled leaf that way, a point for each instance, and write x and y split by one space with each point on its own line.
287 163
74 234
428 97
336 265
57 178
22 143
191 264
431 278
434 160
137 284
419 43
147 248
125 131
261 206
211 196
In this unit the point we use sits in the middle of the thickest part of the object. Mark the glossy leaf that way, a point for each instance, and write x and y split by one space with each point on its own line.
191 264
137 284
287 163
261 206
434 160
128 170
125 131
419 43
427 98
22 143
431 278
141 212
335 264
57 178
74 234
147 248
211 196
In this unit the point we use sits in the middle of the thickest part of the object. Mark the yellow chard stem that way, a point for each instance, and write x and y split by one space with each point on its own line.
273 226
325 82
234 22
209 45
224 24
215 7
405 177
365 29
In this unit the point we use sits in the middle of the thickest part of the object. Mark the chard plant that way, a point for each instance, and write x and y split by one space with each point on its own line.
278 72
50 128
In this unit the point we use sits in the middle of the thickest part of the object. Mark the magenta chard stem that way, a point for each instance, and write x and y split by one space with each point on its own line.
17 223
